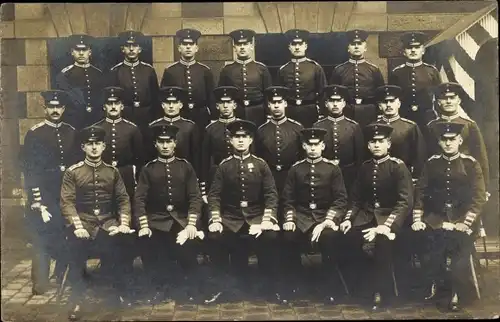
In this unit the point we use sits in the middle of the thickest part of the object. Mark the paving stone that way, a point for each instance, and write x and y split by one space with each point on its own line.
283 316
14 286
330 315
258 317
305 310
8 292
208 317
186 307
16 300
7 29
257 310
231 306
232 314
184 316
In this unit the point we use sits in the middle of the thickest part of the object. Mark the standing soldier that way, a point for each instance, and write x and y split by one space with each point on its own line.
304 77
361 78
382 197
250 76
188 143
278 140
407 141
123 139
140 84
96 204
448 201
168 203
417 79
344 143
315 200
83 82
193 76
242 195
216 146
48 151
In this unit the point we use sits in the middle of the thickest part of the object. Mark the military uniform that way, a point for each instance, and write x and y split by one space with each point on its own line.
124 145
306 79
48 150
167 199
344 143
197 79
451 189
361 78
251 77
84 84
140 83
417 81
94 198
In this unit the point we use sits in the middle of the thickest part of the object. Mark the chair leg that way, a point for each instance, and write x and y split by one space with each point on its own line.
62 285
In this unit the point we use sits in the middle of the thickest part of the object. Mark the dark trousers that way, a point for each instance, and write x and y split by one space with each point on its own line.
254 113
110 249
167 263
439 244
306 114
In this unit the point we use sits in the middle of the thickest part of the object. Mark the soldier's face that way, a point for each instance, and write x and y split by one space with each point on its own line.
243 50
298 49
188 49
241 141
449 103
54 112
277 108
113 109
81 56
165 146
131 51
226 108
313 149
390 107
93 150
450 145
379 147
414 52
356 48
335 105
171 108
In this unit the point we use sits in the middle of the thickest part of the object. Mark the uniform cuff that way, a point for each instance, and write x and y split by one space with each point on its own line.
330 215
390 220
124 219
348 215
289 216
77 222
203 188
143 222
469 218
215 217
192 218
37 197
417 215
268 216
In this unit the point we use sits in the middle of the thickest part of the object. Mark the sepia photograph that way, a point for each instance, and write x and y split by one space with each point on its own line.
328 160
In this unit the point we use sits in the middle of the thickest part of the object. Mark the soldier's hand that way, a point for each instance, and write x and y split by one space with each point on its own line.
289 226
145 232
45 215
191 231
418 225
216 226
461 227
205 199
330 224
383 230
81 233
36 206
448 226
266 225
370 234
345 226
317 232
124 229
113 230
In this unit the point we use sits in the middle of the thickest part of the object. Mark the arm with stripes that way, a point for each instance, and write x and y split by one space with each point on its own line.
478 194
404 198
288 196
337 210
122 199
68 200
194 196
140 197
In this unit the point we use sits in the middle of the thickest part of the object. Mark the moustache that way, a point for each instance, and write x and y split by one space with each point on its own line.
55 114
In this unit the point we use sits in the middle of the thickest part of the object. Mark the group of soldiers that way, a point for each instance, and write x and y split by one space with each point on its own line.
251 166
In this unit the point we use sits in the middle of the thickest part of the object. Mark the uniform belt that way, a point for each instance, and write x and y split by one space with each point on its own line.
281 167
91 208
252 102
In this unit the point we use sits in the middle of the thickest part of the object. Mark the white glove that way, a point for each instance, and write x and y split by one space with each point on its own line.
370 234
191 231
317 232
345 226
81 233
448 226
330 224
213 227
182 236
289 226
205 199
266 225
123 229
145 232
418 225
256 230
45 214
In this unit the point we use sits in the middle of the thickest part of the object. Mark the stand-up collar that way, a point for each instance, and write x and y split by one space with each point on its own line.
187 63
126 62
382 160
335 119
356 61
241 158
243 62
419 63
451 117
82 65
229 120
392 119
313 161
280 121
299 60
52 124
163 160
453 157
118 120
92 164
173 119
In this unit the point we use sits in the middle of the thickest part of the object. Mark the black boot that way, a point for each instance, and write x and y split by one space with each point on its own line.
76 312
432 292
377 302
454 306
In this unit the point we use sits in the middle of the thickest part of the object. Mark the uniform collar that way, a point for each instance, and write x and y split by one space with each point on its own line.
413 64
173 119
299 60
163 160
126 62
356 61
92 164
52 124
118 120
395 118
242 158
335 119
279 122
243 62
187 63
81 65
229 120
379 161
453 157
313 161
451 117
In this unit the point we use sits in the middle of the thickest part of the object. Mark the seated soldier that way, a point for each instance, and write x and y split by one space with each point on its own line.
243 198
314 199
448 200
168 203
382 197
95 202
